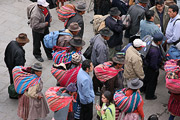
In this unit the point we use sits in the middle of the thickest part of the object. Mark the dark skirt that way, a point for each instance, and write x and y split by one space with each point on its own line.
23 106
174 105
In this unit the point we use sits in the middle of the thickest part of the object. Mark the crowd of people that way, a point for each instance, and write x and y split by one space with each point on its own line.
121 73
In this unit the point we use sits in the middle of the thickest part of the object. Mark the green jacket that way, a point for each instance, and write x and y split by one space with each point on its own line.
109 115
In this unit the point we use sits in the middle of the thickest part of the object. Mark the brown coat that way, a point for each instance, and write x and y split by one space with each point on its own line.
165 17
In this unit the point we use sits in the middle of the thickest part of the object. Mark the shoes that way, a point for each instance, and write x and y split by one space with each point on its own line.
97 93
40 59
13 97
153 98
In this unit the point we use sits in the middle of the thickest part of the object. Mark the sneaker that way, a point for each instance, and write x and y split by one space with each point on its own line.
40 59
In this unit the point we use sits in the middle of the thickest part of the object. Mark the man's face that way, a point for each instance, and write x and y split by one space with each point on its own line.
171 13
75 32
106 37
91 67
160 7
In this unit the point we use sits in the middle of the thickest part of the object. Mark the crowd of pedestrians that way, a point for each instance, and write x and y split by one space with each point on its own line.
120 75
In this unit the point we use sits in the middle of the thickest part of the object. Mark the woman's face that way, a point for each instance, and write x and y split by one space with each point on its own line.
104 99
38 73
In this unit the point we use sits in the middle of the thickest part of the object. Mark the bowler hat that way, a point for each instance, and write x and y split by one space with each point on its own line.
74 26
81 6
22 38
77 42
135 84
159 37
119 59
37 66
71 87
106 32
114 11
143 1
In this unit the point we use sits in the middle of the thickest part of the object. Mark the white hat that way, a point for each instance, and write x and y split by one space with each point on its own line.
139 43
43 3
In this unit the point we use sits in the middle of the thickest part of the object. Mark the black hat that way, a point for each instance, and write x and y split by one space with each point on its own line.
77 42
114 11
143 1
159 37
119 59
106 32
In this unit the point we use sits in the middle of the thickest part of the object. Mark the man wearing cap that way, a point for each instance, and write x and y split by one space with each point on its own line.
80 8
100 50
114 23
136 13
147 27
152 64
40 23
15 54
73 29
133 68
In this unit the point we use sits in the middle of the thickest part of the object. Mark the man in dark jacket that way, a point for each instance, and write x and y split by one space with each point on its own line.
80 8
114 23
15 54
152 64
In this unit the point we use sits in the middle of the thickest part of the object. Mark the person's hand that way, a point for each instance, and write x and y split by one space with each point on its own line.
40 96
102 112
47 23
98 108
158 25
50 19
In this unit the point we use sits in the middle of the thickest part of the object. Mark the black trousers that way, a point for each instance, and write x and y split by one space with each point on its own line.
150 82
37 39
96 83
86 111
10 75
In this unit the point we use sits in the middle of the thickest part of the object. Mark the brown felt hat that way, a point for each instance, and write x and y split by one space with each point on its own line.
77 42
22 38
74 26
119 59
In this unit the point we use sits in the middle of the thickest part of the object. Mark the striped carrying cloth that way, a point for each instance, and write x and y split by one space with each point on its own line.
63 56
56 102
104 72
23 80
65 12
65 77
171 65
127 104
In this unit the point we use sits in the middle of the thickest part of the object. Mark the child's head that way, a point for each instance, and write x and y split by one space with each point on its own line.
107 97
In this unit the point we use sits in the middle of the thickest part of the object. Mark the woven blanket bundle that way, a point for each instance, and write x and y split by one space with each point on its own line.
56 102
127 103
104 72
65 77
171 65
23 80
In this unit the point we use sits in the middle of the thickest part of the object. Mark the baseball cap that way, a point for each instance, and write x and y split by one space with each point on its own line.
139 43
43 3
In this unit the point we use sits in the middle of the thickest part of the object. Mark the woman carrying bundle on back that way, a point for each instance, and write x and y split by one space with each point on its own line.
129 101
27 81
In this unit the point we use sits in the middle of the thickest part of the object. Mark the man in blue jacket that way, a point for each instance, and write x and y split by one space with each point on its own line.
85 90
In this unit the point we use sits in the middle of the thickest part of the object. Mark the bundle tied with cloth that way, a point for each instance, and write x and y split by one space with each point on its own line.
105 71
23 79
128 103
173 75
64 76
57 97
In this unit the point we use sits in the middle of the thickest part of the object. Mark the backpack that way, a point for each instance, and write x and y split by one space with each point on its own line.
99 23
50 39
30 8
12 92
173 53
148 39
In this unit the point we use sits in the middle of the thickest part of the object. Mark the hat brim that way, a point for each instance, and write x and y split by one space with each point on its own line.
46 4
116 61
74 29
36 68
135 87
75 44
115 14
108 35
81 9
22 41
143 44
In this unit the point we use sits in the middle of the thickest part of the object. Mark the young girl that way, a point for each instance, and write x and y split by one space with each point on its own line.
107 112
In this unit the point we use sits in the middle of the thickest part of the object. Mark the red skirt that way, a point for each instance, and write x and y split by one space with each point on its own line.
23 106
174 106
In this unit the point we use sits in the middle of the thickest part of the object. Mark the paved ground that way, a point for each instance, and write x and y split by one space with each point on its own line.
14 21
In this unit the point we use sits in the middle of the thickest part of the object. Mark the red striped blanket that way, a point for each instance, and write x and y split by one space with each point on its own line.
23 80
171 65
65 77
104 72
56 102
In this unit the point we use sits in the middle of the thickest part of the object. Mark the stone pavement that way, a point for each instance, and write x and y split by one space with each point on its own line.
14 21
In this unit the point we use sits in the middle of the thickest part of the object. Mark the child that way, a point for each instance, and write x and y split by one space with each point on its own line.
107 112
